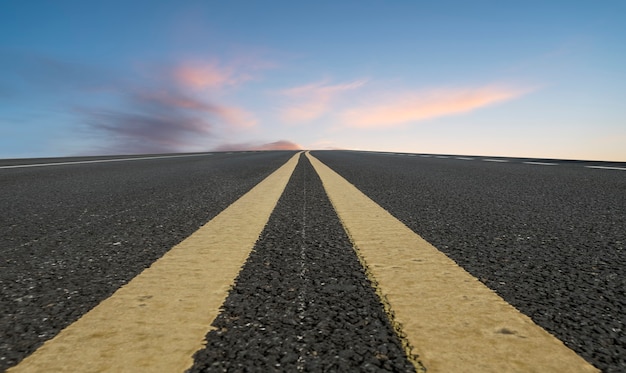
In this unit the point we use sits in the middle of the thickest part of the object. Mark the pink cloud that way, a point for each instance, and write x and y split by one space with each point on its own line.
237 117
210 75
194 78
280 145
276 145
231 115
311 101
416 106
170 116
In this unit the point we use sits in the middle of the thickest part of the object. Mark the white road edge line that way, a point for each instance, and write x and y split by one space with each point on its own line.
608 168
494 160
542 163
464 158
101 161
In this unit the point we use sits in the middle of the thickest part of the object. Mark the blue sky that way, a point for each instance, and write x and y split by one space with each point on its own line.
528 79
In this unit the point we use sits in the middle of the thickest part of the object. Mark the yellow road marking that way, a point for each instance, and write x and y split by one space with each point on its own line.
451 320
157 321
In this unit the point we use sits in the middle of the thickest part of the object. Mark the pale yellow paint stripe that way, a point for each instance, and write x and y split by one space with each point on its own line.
158 320
452 321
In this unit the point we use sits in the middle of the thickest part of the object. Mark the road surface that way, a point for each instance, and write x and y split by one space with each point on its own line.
547 236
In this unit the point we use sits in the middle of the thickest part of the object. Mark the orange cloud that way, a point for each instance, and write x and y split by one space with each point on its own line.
416 106
234 116
276 145
201 76
311 101
194 79
237 116
280 145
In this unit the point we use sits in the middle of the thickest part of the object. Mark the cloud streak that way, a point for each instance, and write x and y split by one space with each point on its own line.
158 109
276 145
200 76
154 122
309 102
136 133
172 114
164 99
416 106
164 120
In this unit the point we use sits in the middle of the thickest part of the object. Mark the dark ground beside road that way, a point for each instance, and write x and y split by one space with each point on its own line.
551 240
71 235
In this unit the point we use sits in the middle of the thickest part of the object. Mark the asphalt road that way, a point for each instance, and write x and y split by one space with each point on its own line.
550 239
70 235
302 302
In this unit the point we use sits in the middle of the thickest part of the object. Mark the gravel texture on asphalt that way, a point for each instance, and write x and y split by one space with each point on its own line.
549 239
72 235
302 301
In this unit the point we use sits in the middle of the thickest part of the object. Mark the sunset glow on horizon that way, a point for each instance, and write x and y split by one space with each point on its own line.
527 79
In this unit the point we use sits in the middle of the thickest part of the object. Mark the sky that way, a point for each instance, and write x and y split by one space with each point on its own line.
537 79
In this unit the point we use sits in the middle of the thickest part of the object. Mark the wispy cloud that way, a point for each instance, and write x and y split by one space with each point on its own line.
163 121
211 75
160 121
237 117
415 106
161 109
232 115
276 145
309 102
146 132
162 117
280 145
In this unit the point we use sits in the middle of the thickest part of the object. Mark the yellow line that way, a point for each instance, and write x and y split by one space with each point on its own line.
452 321
157 321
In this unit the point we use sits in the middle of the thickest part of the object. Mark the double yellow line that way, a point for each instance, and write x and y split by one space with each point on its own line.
447 320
